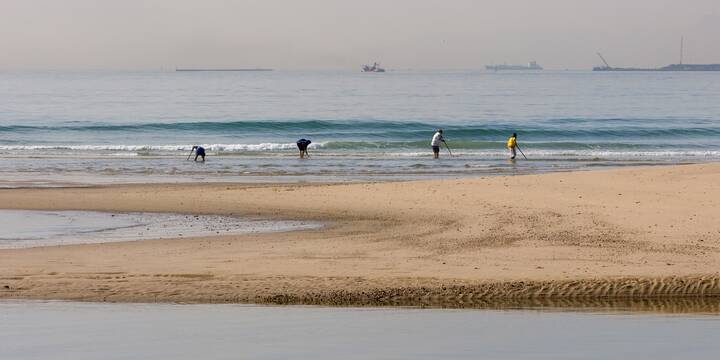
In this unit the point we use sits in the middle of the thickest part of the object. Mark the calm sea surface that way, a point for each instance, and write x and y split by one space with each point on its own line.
60 330
139 126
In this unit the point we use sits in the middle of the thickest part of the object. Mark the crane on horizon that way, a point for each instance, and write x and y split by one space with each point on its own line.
603 60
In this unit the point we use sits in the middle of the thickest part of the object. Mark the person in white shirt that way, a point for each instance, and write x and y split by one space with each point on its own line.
435 143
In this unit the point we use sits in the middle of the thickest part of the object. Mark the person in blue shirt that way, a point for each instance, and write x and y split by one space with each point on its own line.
199 152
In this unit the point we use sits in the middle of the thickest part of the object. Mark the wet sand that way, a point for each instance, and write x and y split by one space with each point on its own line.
639 233
32 228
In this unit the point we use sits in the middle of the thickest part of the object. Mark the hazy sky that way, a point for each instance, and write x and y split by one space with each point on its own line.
293 34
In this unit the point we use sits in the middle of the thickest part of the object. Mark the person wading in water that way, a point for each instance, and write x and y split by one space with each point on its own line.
512 146
199 152
435 143
302 144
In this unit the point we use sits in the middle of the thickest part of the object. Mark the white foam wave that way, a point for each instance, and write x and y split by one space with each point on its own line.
575 154
132 150
160 148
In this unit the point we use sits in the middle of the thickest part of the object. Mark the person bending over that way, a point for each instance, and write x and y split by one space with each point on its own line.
199 152
302 144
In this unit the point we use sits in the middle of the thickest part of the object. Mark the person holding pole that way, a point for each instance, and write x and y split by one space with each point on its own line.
199 152
513 146
435 143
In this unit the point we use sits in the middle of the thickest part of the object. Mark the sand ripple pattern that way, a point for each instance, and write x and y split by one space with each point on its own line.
667 294
561 293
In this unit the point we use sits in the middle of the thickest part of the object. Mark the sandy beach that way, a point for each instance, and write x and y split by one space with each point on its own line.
634 233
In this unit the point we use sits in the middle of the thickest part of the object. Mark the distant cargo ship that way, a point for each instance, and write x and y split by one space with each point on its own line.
530 66
671 67
375 67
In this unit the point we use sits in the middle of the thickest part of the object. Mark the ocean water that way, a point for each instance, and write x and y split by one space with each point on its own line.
66 330
98 127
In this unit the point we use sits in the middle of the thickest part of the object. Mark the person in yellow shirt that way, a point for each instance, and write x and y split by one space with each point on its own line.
512 146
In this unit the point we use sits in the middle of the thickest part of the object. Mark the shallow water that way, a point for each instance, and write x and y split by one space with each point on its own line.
26 228
100 127
66 330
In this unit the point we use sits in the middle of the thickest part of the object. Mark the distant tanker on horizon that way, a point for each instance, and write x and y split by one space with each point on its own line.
530 66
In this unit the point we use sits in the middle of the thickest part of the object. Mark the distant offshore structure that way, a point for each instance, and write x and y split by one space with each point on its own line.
375 68
239 69
533 65
671 67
